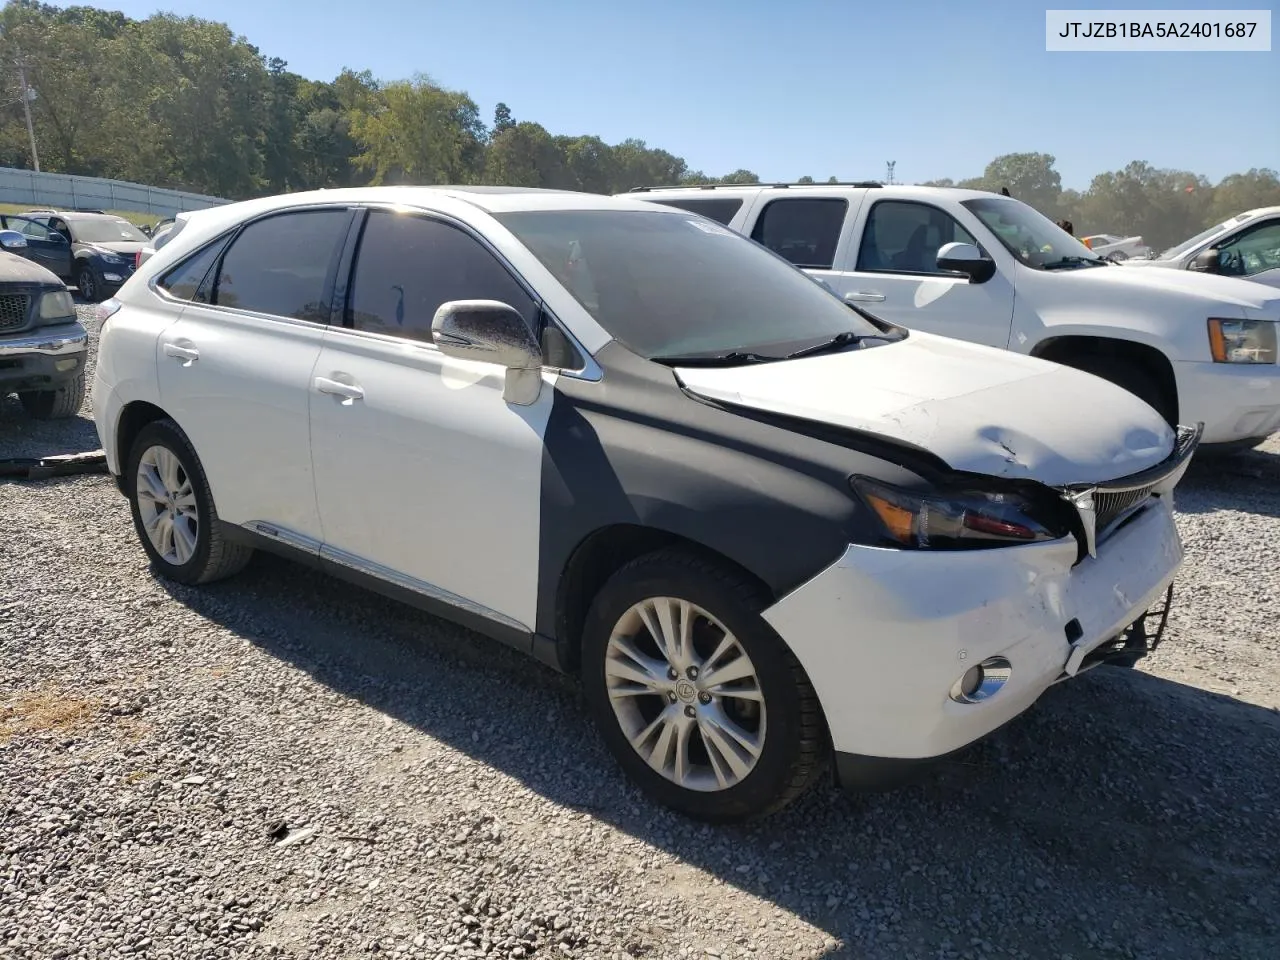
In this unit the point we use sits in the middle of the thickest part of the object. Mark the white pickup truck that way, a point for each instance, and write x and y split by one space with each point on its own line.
990 269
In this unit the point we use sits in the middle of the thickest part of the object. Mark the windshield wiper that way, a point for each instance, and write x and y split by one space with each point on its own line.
1074 262
733 359
843 339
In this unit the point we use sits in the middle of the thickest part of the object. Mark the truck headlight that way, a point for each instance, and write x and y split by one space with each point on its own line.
1242 341
57 306
960 520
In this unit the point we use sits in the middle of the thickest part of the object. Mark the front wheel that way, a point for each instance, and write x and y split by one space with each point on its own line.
59 403
698 698
87 283
173 510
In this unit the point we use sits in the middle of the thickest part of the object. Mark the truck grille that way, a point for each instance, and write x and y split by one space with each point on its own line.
13 311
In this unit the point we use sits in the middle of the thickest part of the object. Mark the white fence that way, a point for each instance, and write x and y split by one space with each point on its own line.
61 191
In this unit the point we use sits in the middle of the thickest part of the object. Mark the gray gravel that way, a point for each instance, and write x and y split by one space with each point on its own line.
281 765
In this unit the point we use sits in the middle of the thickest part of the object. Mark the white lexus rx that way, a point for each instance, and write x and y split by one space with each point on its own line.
773 534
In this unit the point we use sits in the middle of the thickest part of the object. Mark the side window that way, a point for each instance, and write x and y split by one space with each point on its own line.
905 237
281 265
721 209
408 265
1252 252
805 232
31 229
184 280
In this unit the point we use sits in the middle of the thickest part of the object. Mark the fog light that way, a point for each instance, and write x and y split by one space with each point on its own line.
982 682
69 363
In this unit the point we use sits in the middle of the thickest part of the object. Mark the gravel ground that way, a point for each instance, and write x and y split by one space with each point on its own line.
281 765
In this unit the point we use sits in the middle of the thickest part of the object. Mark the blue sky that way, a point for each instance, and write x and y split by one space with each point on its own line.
799 87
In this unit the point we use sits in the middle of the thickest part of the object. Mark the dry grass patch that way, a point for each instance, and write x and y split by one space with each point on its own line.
45 711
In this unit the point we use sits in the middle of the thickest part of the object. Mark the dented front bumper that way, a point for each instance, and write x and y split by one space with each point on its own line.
886 636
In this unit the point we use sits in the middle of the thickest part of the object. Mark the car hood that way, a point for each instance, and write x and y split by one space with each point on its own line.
1206 286
977 408
115 246
16 269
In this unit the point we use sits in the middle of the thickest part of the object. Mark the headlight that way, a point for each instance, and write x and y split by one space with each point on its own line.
57 305
956 521
1242 341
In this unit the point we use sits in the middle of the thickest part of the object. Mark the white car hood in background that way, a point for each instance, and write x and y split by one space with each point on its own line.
977 408
1236 291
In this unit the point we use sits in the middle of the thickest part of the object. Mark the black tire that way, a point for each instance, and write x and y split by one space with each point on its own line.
87 283
214 557
796 744
1129 376
57 404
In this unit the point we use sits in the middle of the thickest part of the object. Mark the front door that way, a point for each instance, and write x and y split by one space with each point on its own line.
236 366
46 247
1253 253
425 476
896 276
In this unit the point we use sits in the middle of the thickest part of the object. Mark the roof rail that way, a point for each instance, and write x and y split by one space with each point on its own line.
727 186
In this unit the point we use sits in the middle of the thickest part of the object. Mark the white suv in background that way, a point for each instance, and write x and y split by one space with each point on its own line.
1246 246
990 269
575 424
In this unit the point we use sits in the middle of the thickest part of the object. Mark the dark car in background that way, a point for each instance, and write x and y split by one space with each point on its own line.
95 252
42 344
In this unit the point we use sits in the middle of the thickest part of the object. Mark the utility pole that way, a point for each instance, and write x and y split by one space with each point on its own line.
26 108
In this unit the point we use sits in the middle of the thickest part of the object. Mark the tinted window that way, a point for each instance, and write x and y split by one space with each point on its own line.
407 266
803 231
722 209
666 283
281 265
31 229
183 281
1251 252
906 237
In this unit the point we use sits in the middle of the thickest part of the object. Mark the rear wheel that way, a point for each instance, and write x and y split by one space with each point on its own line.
173 510
57 404
698 698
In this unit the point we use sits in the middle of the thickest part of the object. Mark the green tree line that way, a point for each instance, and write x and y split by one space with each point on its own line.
183 102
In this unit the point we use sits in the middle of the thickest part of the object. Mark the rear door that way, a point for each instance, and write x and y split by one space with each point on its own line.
46 247
894 274
236 366
812 229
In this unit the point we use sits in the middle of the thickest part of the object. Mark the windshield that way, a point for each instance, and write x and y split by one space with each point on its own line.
675 284
1030 236
1174 252
105 231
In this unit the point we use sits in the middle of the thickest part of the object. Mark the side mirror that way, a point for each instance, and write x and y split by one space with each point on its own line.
1206 261
146 229
492 332
12 240
967 259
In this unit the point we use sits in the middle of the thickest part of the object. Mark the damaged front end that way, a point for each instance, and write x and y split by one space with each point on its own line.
1103 508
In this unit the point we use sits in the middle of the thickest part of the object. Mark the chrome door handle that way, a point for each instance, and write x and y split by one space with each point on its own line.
339 389
188 354
864 296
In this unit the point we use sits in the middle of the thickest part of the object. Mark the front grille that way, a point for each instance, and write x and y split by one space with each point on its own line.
13 311
1108 504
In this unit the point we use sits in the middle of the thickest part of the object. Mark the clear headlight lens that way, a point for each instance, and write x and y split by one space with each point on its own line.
1242 341
57 305
955 521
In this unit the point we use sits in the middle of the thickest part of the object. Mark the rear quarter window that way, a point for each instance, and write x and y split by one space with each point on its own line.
721 209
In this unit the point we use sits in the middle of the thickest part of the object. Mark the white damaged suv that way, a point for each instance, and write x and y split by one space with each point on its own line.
577 425
989 269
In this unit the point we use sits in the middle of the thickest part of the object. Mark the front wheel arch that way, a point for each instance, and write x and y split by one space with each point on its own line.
1109 357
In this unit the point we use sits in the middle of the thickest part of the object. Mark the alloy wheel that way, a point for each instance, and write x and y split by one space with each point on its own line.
685 694
167 504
